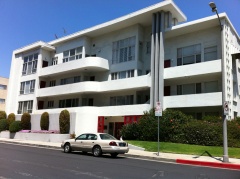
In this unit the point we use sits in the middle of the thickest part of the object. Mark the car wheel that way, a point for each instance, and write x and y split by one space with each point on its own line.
97 151
114 155
67 148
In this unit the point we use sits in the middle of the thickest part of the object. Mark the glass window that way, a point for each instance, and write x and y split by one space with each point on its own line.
25 106
211 86
188 89
3 87
123 50
27 87
72 54
189 55
210 53
2 101
30 64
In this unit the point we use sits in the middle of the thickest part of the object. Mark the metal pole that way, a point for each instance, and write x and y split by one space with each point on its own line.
158 136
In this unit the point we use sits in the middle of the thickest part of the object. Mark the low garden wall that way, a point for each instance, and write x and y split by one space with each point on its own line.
43 137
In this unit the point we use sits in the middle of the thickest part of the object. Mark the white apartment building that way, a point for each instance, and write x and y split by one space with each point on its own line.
109 74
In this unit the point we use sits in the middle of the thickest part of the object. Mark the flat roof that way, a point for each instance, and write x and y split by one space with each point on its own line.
143 17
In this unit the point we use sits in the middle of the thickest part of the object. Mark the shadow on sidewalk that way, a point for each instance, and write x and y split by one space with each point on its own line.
219 159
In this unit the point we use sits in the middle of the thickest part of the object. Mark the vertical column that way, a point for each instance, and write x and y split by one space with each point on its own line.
157 58
161 59
156 87
152 61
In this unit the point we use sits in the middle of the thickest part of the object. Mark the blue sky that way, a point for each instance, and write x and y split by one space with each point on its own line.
23 22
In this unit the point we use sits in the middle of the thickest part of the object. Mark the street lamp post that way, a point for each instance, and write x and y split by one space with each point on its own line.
225 143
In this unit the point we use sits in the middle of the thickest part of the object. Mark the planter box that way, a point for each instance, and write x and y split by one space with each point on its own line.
7 135
42 137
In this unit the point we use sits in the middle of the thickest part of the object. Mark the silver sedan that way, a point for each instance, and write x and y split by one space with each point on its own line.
97 143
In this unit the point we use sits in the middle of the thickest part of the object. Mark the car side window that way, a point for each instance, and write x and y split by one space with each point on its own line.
92 137
82 137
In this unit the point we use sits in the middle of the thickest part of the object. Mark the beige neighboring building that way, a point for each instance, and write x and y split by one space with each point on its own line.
3 92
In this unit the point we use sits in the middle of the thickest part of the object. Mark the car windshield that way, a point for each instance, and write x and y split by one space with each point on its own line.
107 137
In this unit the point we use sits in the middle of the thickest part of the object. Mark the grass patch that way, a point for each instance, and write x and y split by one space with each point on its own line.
177 148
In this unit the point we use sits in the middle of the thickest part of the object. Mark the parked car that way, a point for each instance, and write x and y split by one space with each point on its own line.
97 143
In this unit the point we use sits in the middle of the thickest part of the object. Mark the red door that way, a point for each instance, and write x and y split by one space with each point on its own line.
40 104
167 63
100 123
42 84
118 127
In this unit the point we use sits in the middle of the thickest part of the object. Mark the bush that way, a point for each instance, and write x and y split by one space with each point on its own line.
130 131
26 121
11 118
64 122
3 115
15 126
203 133
3 125
44 122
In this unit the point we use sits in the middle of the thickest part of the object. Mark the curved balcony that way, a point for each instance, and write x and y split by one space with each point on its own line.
141 82
204 68
91 64
193 100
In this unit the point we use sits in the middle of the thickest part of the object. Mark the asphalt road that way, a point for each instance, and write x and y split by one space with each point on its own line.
19 162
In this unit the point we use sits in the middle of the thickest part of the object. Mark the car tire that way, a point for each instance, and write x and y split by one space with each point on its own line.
97 151
67 148
114 155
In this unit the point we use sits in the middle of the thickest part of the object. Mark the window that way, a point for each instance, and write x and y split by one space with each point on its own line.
50 104
189 55
121 100
70 80
193 88
54 60
3 87
52 83
25 106
87 101
73 54
27 87
30 64
123 50
210 53
68 103
148 47
77 79
122 74
211 86
2 101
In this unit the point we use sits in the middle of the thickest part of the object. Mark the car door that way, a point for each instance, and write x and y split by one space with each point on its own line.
80 142
90 142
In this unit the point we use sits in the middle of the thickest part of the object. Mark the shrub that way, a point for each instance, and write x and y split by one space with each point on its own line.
212 119
44 122
3 125
11 118
3 115
130 131
15 126
26 121
64 122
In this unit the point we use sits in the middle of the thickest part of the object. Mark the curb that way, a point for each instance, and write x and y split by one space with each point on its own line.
28 144
209 164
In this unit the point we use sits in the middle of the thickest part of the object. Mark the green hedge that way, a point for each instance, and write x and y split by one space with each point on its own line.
64 122
3 125
11 118
177 127
3 115
44 122
26 121
15 126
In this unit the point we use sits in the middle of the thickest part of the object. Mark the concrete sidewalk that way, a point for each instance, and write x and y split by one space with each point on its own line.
169 157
